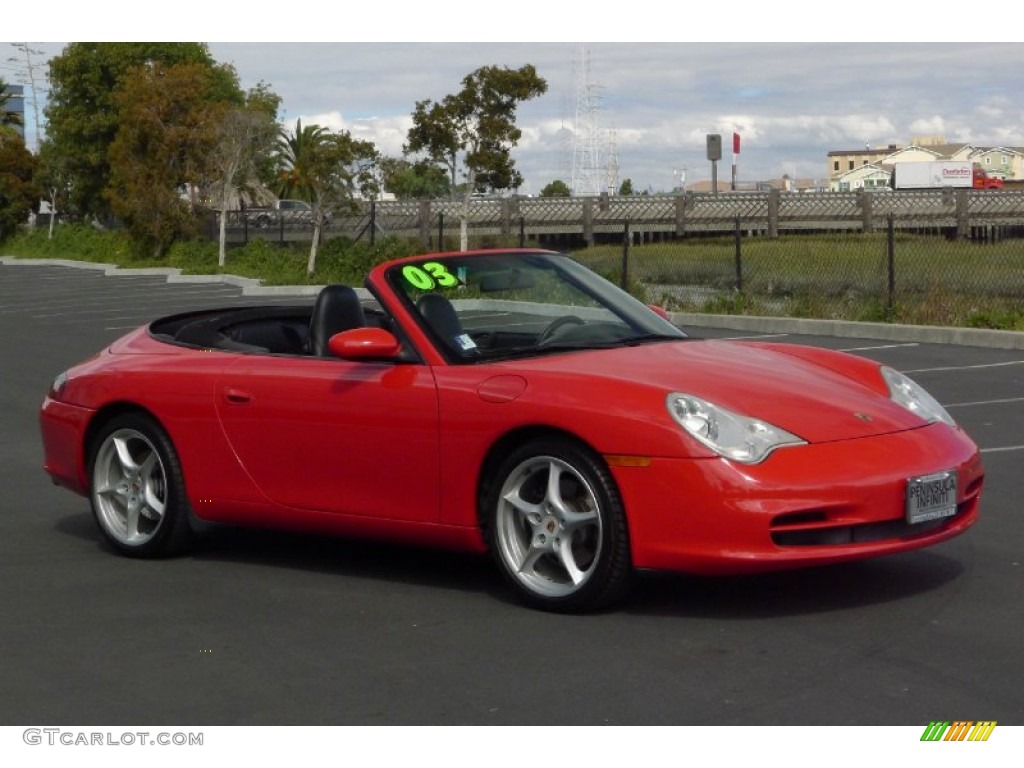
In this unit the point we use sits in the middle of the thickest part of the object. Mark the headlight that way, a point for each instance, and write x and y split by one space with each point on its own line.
912 396
57 387
728 434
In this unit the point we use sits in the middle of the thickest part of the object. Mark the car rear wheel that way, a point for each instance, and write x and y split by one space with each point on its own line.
136 488
557 528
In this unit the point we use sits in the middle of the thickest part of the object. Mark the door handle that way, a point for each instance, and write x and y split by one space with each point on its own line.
237 396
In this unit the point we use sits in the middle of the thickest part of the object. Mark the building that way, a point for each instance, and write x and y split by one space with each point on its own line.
842 161
785 184
869 176
16 104
1006 163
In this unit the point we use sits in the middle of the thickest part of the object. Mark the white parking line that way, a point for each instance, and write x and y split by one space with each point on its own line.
760 336
106 298
884 346
1001 450
142 305
985 402
967 367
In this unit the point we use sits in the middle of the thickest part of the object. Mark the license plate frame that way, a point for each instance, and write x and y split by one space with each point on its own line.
931 497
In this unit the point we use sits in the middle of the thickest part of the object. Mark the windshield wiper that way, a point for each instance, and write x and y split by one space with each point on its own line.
646 337
581 345
518 352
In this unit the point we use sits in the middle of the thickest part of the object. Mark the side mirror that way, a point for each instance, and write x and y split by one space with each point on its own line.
364 344
659 311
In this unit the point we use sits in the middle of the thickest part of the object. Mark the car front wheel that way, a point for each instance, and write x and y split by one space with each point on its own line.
136 488
557 528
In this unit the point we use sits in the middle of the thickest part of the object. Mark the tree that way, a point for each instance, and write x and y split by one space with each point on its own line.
83 113
325 169
168 120
54 181
418 180
9 119
19 192
261 99
243 142
626 188
475 129
556 188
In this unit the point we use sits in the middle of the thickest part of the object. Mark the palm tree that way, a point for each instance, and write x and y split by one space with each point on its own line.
326 169
304 174
299 155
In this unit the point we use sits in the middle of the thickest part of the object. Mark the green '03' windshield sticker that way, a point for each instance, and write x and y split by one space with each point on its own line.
430 275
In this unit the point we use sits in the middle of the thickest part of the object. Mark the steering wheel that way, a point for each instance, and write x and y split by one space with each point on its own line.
548 333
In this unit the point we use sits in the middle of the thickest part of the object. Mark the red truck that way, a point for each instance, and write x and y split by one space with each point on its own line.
981 180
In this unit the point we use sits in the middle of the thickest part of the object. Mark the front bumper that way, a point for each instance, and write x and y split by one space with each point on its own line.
63 430
803 506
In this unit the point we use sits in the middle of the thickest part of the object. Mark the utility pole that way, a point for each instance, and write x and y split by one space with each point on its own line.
714 142
735 157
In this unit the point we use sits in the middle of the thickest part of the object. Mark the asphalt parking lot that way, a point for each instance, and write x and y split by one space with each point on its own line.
266 628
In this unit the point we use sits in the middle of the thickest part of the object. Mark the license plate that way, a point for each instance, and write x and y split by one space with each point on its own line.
931 497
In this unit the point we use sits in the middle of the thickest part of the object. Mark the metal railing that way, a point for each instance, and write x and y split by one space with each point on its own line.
592 220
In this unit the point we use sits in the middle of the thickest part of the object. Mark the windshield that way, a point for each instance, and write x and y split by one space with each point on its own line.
499 305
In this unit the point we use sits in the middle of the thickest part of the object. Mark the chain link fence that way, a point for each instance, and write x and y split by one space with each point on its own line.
901 275
938 257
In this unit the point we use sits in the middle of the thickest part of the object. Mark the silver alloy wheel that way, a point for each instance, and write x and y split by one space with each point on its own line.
129 487
548 526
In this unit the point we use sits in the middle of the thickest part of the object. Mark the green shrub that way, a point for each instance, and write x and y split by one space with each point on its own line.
79 242
842 276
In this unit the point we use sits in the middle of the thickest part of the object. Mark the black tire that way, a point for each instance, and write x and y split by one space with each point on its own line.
136 488
555 525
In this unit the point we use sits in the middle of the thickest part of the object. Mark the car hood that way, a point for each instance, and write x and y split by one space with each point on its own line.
819 401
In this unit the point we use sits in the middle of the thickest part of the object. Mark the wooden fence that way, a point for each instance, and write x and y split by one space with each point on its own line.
591 219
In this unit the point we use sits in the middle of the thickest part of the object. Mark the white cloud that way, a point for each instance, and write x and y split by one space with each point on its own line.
791 103
935 125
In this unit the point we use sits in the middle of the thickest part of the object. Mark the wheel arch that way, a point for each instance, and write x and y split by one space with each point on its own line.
509 442
103 416
115 409
163 481
608 574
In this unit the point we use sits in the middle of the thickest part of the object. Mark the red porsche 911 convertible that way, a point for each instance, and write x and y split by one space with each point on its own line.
512 402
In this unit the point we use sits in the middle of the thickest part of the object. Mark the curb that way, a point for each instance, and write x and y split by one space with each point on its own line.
250 286
925 334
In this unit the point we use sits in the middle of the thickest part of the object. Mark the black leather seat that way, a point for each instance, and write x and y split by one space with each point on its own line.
337 309
443 320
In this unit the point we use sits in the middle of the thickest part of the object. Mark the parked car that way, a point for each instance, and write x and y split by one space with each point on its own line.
512 402
289 213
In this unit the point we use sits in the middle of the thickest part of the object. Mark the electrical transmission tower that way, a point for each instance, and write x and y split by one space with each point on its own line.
587 177
29 71
611 166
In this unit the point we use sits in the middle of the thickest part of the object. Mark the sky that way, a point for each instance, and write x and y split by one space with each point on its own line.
772 75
